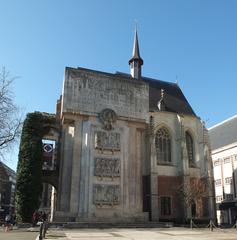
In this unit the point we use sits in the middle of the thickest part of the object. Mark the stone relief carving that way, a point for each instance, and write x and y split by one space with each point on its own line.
107 118
106 194
107 167
87 91
107 141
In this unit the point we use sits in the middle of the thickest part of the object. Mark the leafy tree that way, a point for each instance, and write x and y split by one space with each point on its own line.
29 169
10 122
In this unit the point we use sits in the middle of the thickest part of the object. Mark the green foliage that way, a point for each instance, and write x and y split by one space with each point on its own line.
29 169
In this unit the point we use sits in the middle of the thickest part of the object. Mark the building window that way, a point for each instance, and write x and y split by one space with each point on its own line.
229 197
217 162
219 198
227 160
189 146
163 146
235 157
165 204
218 182
228 180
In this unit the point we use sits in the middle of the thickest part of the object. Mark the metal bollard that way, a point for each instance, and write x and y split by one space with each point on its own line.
211 225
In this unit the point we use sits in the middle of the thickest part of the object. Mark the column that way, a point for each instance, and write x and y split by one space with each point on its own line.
85 171
154 183
66 167
74 199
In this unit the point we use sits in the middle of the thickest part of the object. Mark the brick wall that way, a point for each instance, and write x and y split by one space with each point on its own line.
167 186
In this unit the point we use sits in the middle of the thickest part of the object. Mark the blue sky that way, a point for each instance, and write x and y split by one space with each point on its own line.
191 41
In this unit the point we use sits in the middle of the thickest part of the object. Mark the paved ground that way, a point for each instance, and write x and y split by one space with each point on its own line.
142 234
124 234
21 234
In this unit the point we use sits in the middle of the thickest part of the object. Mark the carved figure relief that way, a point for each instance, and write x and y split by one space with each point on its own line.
107 167
107 141
106 194
107 118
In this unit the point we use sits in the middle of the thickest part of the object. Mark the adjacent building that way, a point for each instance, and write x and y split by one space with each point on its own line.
128 147
7 190
223 139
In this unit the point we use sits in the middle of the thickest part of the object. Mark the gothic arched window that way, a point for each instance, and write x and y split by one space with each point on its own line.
189 145
163 146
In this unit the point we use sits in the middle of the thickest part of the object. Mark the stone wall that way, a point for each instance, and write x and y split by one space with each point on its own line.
107 148
179 166
101 171
91 92
111 173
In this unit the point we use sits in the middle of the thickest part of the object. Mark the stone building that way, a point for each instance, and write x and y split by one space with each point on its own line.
7 190
127 145
223 139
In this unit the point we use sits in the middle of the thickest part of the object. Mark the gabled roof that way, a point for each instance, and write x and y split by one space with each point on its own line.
224 133
174 99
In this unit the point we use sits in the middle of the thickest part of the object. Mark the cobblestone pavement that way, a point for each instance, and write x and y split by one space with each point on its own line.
142 234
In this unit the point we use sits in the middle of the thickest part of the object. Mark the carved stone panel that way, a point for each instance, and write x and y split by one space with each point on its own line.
90 91
108 117
107 140
106 194
107 167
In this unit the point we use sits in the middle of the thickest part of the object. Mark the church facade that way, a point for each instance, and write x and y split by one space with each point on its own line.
130 148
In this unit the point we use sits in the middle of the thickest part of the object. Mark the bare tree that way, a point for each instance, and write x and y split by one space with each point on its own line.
197 189
10 122
194 192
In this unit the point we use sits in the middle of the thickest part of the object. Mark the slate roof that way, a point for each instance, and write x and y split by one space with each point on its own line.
174 99
224 133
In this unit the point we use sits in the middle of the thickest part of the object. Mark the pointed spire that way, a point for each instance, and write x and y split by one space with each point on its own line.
136 61
136 53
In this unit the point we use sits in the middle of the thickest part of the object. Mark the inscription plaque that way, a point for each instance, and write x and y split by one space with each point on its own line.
107 141
106 194
107 167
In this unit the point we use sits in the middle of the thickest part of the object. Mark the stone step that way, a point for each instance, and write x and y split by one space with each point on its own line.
111 225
